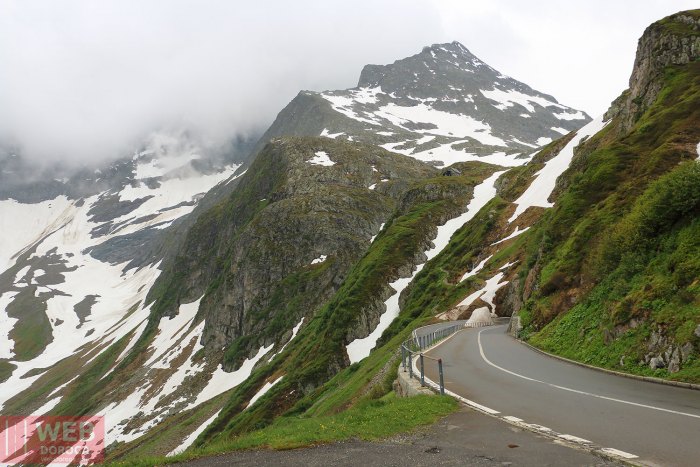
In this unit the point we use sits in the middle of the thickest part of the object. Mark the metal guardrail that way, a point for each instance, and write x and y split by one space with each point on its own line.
417 344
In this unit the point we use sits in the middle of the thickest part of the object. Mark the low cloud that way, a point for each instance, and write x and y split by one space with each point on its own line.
87 81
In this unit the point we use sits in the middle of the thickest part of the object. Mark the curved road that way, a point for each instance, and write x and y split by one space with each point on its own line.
659 424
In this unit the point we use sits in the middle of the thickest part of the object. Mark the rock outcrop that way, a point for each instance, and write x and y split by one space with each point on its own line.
674 40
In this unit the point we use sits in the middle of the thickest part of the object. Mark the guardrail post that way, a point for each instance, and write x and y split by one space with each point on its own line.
422 371
410 365
442 379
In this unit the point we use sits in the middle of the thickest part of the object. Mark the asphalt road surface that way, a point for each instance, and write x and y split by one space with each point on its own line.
660 424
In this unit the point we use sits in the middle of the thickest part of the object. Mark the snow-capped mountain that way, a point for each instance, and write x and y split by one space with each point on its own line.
442 105
79 255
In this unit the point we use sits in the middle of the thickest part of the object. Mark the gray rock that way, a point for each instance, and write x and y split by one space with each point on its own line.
686 351
656 362
697 331
674 362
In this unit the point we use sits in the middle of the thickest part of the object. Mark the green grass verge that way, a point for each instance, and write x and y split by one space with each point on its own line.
368 420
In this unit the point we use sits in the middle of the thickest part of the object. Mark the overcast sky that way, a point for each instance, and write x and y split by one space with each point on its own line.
89 80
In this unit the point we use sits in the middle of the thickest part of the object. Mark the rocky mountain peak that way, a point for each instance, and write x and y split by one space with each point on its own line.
432 60
442 105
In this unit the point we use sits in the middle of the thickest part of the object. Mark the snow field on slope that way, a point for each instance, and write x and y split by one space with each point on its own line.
64 228
171 192
448 124
175 335
539 191
22 225
6 325
118 294
483 193
511 97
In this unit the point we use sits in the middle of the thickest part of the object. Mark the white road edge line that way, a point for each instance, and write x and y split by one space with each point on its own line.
617 452
575 439
576 391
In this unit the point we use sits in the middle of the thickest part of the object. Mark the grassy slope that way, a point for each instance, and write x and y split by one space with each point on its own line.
369 420
624 241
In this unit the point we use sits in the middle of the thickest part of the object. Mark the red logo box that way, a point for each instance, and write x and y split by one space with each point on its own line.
51 439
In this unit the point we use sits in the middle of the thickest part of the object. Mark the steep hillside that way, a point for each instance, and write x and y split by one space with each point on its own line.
618 277
442 105
337 224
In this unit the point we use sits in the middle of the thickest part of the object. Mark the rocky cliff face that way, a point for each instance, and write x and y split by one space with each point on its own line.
673 41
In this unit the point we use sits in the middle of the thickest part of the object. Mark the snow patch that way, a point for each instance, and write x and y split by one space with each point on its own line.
295 331
511 97
327 134
578 115
487 293
187 442
516 140
321 158
170 331
7 345
319 260
161 166
266 387
44 409
221 381
514 234
371 240
476 270
447 124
